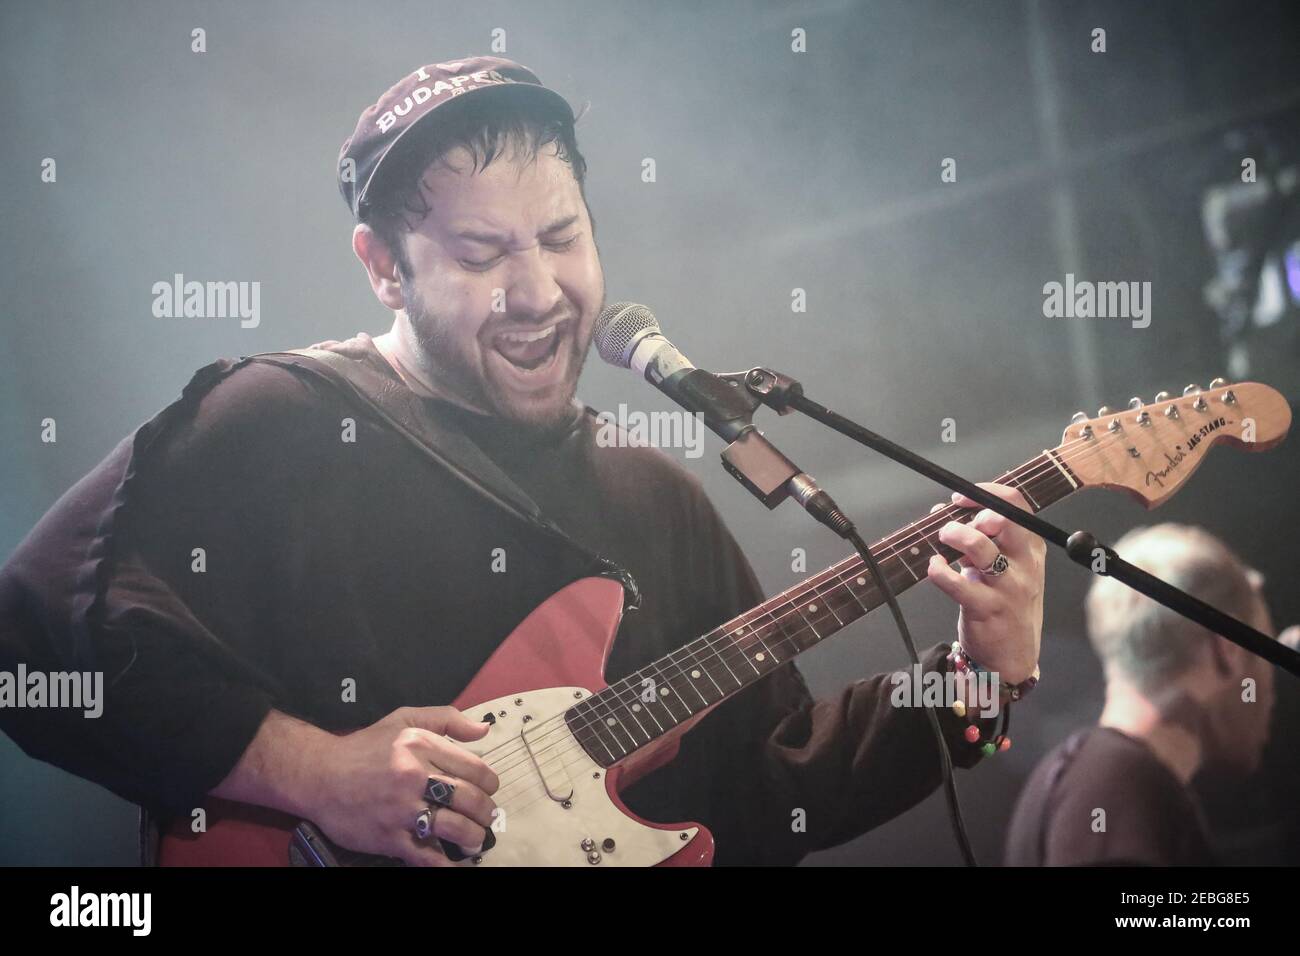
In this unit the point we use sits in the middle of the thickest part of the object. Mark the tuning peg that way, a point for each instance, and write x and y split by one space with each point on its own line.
1078 418
1161 397
1218 383
1192 390
1135 403
1104 410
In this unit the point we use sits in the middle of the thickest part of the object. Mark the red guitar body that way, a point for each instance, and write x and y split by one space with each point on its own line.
557 653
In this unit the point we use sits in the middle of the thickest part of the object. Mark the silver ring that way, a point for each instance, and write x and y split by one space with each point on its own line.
999 566
424 823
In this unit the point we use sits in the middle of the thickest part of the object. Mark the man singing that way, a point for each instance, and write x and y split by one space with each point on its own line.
265 565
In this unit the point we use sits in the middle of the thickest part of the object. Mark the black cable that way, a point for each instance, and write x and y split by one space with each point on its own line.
945 758
824 509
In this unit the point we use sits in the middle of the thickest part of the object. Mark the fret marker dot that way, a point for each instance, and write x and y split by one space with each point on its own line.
862 582
813 608
760 657
915 551
636 708
611 721
695 674
663 691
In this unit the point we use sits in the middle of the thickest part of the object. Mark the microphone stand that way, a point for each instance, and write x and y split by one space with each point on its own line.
762 386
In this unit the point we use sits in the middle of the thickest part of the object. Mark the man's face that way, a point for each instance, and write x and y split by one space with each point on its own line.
506 284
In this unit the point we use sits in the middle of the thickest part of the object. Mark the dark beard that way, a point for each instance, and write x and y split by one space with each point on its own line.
451 373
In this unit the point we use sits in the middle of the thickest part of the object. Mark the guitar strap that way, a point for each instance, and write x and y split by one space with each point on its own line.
400 409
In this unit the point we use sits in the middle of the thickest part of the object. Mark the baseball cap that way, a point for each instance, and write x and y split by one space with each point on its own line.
408 104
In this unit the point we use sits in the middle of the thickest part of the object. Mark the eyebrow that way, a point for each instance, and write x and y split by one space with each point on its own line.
497 238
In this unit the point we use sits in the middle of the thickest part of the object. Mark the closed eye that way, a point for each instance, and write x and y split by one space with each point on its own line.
562 245
482 266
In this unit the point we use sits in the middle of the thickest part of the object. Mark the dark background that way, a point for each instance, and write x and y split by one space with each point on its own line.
776 170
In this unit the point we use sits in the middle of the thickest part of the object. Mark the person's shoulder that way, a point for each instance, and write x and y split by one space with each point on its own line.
244 410
1099 761
1108 756
273 383
1117 802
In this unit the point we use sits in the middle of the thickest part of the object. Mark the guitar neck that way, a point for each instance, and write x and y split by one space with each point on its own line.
640 708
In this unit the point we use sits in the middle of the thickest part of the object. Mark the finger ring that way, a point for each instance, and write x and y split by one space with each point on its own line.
439 792
424 824
999 565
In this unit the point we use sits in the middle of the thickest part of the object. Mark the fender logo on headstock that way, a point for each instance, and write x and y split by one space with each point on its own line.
1175 460
1159 476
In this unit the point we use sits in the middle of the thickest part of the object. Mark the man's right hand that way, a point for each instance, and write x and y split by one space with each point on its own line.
372 785
365 789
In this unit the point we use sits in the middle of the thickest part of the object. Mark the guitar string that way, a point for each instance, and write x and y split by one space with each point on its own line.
1030 471
918 531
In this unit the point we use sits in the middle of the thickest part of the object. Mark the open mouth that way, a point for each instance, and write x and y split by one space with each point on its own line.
531 352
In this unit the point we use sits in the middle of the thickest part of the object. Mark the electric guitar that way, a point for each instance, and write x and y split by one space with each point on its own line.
564 743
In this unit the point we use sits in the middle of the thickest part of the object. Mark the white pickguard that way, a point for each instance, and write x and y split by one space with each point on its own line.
536 830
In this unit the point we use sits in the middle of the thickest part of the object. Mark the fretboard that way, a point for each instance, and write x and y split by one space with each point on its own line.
633 712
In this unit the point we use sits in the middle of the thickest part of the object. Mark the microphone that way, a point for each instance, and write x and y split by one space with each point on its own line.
628 335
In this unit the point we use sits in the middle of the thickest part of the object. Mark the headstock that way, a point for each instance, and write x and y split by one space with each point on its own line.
1150 450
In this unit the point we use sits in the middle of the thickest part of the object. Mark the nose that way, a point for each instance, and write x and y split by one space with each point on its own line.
533 291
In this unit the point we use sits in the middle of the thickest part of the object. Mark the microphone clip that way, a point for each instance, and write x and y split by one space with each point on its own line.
762 386
749 457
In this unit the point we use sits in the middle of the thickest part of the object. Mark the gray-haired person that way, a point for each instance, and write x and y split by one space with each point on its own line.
1179 700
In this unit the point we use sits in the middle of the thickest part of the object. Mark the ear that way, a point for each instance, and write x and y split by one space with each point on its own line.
381 266
1229 658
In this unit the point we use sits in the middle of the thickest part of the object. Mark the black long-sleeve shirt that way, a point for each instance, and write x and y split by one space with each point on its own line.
1103 798
236 554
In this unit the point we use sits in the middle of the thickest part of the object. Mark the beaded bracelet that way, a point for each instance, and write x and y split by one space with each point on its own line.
996 741
962 661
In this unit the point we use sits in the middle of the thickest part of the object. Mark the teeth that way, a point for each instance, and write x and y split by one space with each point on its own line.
527 336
